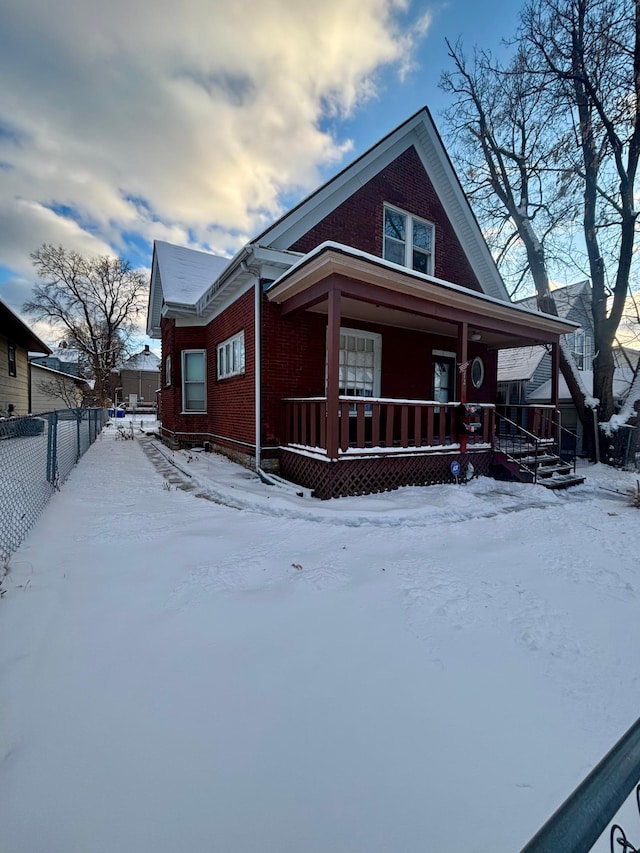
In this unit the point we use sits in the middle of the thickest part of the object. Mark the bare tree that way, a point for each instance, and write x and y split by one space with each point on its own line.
557 131
73 394
95 301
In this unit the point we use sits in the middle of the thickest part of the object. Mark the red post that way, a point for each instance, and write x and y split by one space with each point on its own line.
463 357
333 371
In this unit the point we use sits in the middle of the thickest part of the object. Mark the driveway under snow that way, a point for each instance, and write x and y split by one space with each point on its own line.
230 668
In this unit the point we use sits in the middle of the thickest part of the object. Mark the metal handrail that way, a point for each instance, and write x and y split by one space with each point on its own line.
580 821
524 433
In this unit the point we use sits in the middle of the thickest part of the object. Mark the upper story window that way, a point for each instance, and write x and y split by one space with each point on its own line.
581 345
231 356
167 371
194 395
408 240
13 369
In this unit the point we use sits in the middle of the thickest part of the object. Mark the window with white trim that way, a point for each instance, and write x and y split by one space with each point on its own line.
231 356
408 240
194 373
581 345
360 363
167 371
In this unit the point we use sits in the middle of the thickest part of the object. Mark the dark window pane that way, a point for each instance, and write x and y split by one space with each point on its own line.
420 261
394 224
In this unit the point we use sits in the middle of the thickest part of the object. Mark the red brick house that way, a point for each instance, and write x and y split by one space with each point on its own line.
337 346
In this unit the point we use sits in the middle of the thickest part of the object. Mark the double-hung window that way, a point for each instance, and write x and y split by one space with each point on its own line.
360 364
13 367
194 395
231 356
408 240
581 345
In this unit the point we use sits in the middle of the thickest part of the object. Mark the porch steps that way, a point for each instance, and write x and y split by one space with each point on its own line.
548 469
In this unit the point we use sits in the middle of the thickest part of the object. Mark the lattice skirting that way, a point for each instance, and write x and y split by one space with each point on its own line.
376 474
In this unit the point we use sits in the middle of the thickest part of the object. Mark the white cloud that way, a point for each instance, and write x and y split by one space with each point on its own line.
177 122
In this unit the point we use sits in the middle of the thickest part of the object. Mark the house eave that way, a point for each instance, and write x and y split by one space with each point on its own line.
332 259
420 132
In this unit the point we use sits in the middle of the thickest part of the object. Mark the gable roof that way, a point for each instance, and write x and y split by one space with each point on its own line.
186 273
179 276
12 327
193 282
145 360
518 364
420 132
77 380
622 379
564 297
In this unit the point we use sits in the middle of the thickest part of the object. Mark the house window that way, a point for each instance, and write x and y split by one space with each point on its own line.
193 381
231 356
408 240
13 371
167 371
360 363
581 345
477 372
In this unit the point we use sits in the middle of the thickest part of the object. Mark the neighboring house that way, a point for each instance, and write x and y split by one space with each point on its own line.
622 379
524 373
136 381
337 345
63 357
523 369
54 389
16 340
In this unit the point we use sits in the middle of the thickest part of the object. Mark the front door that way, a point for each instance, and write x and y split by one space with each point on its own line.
444 378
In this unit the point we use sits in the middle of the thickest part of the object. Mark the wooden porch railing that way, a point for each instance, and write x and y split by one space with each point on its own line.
377 422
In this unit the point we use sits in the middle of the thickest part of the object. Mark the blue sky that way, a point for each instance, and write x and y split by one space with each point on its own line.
126 121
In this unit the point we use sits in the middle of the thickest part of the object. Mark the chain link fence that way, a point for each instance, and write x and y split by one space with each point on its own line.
36 456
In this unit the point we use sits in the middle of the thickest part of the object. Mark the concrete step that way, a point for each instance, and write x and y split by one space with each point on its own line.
563 481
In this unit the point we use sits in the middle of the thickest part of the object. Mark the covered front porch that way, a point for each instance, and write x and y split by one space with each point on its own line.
353 439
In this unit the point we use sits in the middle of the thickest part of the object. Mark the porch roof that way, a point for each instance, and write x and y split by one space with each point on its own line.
378 291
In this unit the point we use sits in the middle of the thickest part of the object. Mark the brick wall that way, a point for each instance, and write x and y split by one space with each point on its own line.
358 221
293 359
230 402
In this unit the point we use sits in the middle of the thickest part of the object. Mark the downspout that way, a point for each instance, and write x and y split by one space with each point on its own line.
257 346
257 356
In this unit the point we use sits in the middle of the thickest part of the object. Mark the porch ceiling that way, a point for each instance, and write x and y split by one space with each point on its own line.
375 291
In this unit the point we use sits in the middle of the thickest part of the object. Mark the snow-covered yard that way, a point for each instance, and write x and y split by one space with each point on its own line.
232 668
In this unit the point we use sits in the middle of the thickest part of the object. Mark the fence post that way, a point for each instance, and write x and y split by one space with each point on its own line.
52 447
78 419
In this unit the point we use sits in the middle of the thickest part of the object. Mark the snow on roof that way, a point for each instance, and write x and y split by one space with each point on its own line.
622 379
65 352
519 364
79 380
329 245
186 273
145 360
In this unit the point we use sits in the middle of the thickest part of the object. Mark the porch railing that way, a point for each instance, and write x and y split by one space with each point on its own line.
368 423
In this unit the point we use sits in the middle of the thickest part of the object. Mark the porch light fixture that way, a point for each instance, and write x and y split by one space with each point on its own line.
475 336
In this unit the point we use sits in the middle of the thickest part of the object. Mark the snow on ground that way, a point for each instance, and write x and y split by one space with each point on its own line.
193 660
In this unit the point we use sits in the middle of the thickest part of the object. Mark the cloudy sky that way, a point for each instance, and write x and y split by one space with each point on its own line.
199 122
